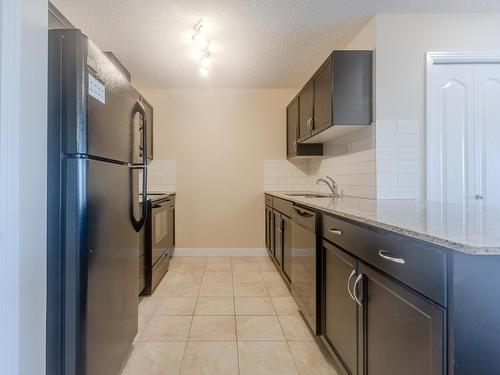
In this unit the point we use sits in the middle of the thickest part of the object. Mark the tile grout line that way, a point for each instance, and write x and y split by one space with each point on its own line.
289 348
284 335
235 324
191 325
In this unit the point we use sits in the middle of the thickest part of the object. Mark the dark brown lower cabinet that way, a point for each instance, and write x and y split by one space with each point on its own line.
286 229
340 309
269 230
278 238
266 227
402 332
375 325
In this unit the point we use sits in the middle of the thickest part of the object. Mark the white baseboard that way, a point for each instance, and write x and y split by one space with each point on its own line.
214 252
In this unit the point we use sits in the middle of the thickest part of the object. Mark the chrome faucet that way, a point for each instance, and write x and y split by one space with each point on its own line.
330 183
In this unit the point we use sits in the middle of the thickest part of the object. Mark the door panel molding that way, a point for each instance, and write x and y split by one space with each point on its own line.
435 58
9 187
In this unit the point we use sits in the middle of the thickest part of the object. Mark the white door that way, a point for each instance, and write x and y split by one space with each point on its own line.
487 137
463 132
450 132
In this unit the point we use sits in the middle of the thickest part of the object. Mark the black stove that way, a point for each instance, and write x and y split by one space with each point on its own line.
158 238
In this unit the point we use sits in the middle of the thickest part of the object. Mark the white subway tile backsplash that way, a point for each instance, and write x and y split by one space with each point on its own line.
397 192
387 153
162 175
282 172
397 168
407 153
387 179
270 180
376 162
406 127
386 127
407 179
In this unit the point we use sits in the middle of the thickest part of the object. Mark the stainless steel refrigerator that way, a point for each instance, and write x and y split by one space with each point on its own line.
97 169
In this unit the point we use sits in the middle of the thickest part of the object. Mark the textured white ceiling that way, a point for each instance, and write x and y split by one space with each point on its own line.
254 44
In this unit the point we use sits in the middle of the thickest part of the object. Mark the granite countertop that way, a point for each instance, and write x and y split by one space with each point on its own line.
470 229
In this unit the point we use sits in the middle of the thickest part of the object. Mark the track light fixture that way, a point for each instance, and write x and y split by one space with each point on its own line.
202 43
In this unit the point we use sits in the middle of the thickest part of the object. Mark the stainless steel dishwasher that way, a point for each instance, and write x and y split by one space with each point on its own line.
304 264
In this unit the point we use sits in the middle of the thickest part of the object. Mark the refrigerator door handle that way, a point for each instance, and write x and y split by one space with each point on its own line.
142 111
138 224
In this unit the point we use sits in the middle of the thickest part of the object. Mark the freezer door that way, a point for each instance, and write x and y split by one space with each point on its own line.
111 109
113 264
89 96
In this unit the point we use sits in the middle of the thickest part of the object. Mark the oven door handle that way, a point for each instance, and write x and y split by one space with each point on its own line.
160 205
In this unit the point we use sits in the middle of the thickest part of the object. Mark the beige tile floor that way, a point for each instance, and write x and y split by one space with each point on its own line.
223 315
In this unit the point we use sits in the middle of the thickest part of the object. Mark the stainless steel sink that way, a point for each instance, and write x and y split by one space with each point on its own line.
309 195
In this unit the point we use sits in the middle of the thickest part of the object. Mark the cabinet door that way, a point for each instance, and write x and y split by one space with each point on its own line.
340 309
269 230
266 232
306 98
292 123
278 238
323 98
287 246
171 229
402 332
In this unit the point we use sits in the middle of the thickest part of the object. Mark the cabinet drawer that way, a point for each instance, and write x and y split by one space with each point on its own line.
283 206
416 264
268 200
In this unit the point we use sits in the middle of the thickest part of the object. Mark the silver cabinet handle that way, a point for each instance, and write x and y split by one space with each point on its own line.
335 231
295 145
386 255
349 284
309 123
355 289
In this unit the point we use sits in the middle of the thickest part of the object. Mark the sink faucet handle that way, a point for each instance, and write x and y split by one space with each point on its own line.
332 181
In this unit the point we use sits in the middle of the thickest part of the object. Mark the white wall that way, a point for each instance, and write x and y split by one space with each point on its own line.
23 99
401 43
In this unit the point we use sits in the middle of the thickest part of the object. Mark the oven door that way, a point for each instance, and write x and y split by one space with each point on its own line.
162 229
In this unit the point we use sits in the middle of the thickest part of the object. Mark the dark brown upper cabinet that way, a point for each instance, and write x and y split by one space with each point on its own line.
149 113
292 124
293 148
338 98
306 103
322 98
352 84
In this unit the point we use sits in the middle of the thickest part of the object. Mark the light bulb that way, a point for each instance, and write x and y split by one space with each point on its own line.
198 38
205 62
200 41
204 71
205 58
